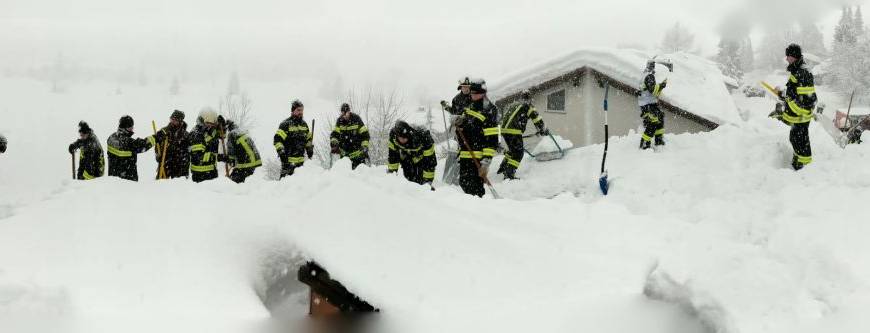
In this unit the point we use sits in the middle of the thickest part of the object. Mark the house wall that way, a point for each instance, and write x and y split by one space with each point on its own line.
583 119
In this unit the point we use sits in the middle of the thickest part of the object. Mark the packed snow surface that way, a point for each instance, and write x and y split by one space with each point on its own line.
711 233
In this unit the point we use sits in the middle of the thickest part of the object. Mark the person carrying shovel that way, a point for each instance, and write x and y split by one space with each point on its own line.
477 134
512 127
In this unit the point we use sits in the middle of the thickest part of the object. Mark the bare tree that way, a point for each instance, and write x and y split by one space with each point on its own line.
238 108
677 39
379 109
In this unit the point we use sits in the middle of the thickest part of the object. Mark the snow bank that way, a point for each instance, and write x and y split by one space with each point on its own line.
696 85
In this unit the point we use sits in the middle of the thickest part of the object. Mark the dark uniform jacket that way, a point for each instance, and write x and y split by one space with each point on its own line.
204 144
479 125
122 150
241 151
460 102
293 141
799 94
418 152
91 160
351 137
514 122
177 154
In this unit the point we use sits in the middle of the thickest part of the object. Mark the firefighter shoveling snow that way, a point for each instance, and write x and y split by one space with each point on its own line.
714 224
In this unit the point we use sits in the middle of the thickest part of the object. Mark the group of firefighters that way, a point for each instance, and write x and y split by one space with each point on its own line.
477 125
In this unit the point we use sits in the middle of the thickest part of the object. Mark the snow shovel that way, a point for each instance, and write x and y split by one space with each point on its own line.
549 155
73 159
451 162
477 163
602 180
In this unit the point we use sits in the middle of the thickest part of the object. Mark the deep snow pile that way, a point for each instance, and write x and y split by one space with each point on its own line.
691 75
714 222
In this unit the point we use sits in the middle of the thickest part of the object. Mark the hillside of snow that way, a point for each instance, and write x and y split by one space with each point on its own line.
713 233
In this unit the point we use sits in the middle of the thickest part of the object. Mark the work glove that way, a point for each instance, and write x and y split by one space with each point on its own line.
663 84
444 105
310 154
459 121
544 132
72 148
484 168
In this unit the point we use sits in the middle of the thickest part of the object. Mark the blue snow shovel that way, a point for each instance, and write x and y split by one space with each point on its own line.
602 180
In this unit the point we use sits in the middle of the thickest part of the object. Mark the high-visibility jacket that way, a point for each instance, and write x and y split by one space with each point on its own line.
650 90
799 94
91 160
418 151
351 136
515 121
123 149
293 141
479 125
204 143
241 151
460 102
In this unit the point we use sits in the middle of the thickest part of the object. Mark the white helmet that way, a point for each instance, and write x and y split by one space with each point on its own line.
208 115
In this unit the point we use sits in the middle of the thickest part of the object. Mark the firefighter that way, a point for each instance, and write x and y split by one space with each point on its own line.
293 140
204 146
241 153
477 134
796 108
2 144
653 118
413 149
461 100
123 150
350 138
174 139
513 125
91 160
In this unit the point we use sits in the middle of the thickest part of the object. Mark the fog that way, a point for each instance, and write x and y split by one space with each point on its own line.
418 45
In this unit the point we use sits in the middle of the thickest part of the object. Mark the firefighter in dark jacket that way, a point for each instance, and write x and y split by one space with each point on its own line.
2 144
241 154
513 125
413 149
174 138
798 102
123 150
477 134
350 137
204 143
91 160
653 118
293 140
461 100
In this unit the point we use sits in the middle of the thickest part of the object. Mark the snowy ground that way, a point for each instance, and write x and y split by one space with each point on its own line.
715 223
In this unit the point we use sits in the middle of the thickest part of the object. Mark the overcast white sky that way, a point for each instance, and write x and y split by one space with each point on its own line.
414 41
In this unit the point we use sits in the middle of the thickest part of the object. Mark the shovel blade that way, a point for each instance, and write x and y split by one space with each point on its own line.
603 184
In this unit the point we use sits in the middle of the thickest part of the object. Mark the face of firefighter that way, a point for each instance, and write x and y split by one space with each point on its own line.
83 135
465 90
345 115
790 59
298 112
174 122
477 96
402 140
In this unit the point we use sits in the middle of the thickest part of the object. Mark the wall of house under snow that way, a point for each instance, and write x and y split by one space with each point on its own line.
582 122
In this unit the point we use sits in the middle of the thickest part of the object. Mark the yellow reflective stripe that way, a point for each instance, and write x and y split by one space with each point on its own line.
250 152
429 152
297 128
334 140
660 132
355 154
365 143
428 174
488 152
804 159
417 159
657 90
645 137
513 114
490 131
537 119
202 168
206 157
363 129
86 175
792 78
117 152
797 109
197 147
208 138
512 162
296 159
467 154
391 146
475 114
348 128
282 134
511 131
279 146
806 90
393 166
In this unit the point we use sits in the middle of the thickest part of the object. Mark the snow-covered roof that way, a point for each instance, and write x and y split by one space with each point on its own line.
696 85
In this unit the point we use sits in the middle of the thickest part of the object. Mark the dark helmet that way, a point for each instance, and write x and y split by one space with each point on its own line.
651 65
2 144
84 128
296 104
402 129
345 107
464 81
794 50
231 125
125 122
526 95
177 115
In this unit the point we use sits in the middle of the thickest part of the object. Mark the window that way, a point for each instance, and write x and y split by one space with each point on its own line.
556 101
